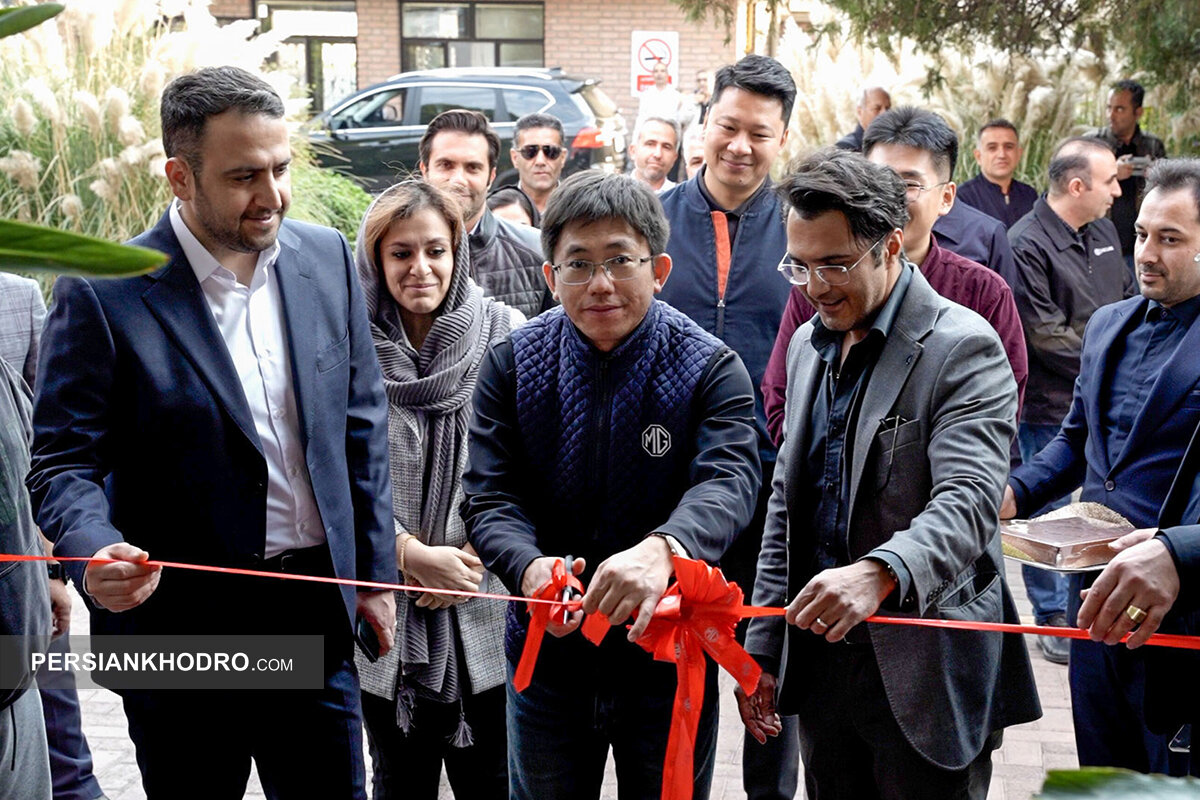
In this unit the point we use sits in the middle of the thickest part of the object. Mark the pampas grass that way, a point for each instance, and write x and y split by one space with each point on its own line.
80 145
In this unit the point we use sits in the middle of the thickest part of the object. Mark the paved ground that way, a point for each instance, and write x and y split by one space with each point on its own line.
1029 750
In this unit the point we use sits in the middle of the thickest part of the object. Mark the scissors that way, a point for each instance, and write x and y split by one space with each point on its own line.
569 592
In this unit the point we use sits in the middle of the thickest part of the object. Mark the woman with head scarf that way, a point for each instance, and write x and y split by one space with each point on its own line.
438 697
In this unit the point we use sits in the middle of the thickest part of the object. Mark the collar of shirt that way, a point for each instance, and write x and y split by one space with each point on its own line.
1062 234
204 264
1185 312
741 209
828 344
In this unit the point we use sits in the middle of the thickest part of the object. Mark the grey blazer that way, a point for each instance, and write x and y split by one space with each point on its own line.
928 467
22 313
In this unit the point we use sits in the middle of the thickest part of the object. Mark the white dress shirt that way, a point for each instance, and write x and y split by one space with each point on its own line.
250 319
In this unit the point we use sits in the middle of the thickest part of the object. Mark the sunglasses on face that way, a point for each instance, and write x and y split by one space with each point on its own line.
529 152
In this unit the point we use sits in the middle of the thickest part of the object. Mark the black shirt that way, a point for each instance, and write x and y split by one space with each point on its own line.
1139 360
833 419
986 196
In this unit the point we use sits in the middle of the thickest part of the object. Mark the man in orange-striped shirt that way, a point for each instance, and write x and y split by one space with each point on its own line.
727 237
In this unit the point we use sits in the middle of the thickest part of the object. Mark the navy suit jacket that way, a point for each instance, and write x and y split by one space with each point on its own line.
1172 697
1135 484
142 432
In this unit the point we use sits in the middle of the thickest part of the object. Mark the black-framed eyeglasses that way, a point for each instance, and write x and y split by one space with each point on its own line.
577 272
832 274
915 189
530 151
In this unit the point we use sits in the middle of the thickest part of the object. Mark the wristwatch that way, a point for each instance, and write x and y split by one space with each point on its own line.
56 571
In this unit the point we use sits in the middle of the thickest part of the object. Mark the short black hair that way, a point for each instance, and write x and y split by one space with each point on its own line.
1071 160
1137 92
591 196
871 196
918 128
460 120
759 75
539 120
512 195
1173 174
998 122
189 101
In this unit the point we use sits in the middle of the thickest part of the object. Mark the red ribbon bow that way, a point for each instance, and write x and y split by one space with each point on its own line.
696 615
539 616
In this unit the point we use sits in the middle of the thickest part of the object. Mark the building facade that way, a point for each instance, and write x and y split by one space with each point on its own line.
338 46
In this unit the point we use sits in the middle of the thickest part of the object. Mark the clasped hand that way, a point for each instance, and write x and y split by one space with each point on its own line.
442 567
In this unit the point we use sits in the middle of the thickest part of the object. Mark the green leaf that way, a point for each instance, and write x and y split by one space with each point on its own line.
15 20
27 248
1103 783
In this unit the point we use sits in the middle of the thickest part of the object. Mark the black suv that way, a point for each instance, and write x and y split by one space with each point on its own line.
372 135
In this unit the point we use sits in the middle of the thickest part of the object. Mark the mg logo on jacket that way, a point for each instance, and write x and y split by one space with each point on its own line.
656 440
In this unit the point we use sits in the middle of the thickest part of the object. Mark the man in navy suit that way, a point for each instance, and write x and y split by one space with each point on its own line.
1136 405
226 409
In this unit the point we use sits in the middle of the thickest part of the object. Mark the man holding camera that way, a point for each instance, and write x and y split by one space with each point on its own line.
1135 149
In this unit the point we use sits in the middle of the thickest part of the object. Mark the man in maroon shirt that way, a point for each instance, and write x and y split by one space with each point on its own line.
922 148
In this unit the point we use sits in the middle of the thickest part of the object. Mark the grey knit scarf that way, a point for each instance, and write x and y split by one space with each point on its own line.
429 392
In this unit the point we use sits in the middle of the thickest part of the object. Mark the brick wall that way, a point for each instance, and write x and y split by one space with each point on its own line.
378 40
590 38
235 9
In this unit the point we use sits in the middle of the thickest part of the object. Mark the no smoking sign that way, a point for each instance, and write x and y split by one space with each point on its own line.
648 48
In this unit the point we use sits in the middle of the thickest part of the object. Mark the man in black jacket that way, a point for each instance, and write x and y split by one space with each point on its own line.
458 154
1068 265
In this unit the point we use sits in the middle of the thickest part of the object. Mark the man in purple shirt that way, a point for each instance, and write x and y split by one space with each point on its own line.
922 148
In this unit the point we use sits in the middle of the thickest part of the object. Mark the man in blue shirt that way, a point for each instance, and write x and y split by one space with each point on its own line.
995 191
1135 407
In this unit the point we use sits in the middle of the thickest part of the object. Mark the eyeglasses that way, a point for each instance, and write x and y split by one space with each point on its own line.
529 152
618 268
914 189
831 274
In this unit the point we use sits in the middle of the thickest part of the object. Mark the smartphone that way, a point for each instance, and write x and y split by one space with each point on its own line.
364 634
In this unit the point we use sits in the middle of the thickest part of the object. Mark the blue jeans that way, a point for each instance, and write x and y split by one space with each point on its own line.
559 733
1047 590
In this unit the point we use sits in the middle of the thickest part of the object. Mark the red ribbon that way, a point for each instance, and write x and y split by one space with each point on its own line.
696 615
539 616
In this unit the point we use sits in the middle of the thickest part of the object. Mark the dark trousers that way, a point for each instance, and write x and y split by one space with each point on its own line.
304 743
409 766
70 757
770 771
1108 705
559 737
853 748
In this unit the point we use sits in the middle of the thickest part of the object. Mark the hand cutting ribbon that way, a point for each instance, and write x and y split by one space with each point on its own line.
696 615
559 586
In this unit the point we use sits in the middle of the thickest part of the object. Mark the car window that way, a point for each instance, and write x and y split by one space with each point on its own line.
519 102
381 109
436 99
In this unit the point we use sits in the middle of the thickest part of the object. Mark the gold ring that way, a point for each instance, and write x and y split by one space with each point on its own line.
821 622
1136 614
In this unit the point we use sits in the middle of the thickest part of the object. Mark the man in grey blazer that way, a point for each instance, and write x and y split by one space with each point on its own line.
900 413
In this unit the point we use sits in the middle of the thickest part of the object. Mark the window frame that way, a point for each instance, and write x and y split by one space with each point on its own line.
472 36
